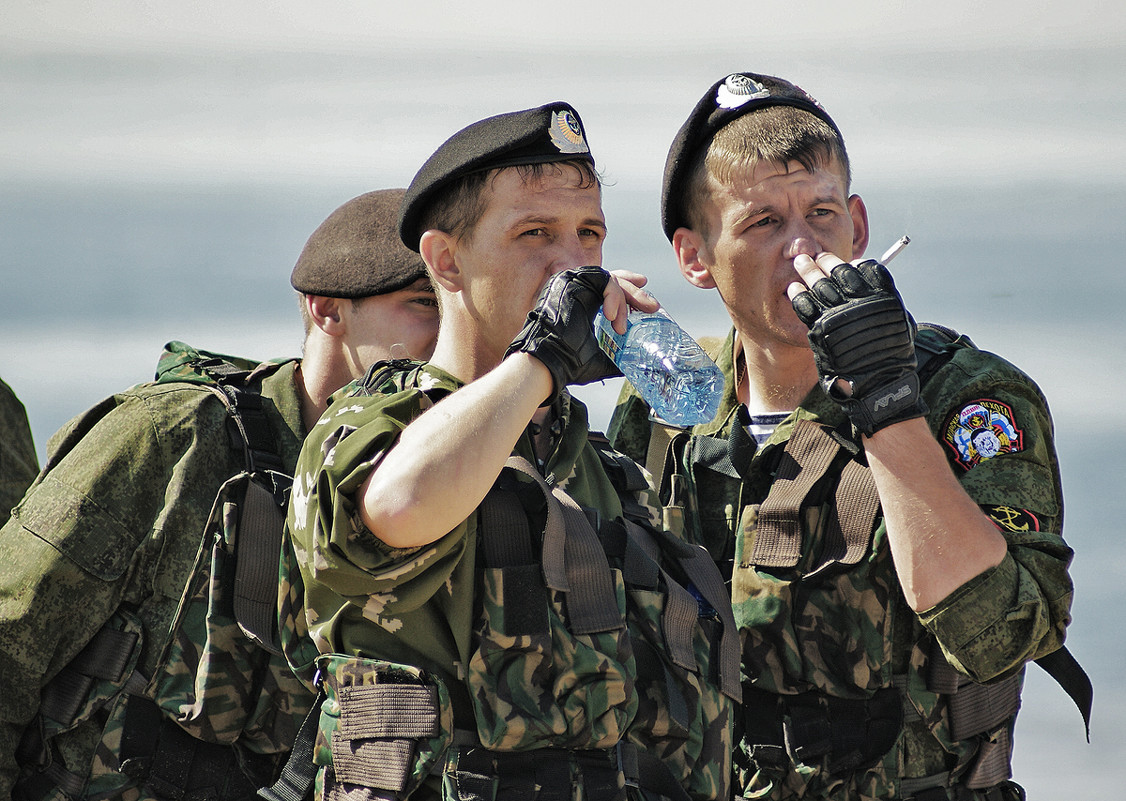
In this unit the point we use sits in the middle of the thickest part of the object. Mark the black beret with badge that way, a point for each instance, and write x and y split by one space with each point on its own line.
549 133
728 99
356 251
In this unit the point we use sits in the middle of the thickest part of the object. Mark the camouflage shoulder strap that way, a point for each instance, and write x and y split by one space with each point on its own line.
261 511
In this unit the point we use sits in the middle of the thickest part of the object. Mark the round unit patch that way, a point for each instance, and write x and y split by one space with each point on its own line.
981 430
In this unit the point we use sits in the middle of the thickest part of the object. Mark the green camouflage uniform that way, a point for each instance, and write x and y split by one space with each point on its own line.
848 633
439 609
18 464
105 541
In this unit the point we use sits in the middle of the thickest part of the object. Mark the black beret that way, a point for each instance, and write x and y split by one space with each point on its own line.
356 251
536 136
726 101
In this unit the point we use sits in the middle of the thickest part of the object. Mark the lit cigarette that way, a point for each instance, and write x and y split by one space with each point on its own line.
894 250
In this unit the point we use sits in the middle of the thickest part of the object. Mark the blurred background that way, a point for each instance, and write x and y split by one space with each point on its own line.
161 166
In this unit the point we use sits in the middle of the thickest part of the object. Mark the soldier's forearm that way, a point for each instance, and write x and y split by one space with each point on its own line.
447 459
939 537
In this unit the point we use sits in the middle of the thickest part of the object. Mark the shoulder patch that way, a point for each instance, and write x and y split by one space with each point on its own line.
1008 518
980 430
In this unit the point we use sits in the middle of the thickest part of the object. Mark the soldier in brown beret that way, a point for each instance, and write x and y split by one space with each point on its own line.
138 597
355 275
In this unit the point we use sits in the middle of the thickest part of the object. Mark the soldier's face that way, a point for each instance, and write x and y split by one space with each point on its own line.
757 223
531 229
401 324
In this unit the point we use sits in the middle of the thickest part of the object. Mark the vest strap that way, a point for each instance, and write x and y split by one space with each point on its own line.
573 559
806 460
261 523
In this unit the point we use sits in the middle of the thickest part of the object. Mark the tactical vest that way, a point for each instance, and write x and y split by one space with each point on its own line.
219 658
820 483
605 658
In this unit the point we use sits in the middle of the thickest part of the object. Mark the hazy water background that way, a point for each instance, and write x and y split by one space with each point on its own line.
160 171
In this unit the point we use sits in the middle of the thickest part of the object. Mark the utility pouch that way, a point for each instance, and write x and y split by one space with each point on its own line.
846 735
235 570
553 664
383 728
982 711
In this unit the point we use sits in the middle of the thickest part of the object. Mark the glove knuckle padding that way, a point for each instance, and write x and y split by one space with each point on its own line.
806 307
559 331
869 342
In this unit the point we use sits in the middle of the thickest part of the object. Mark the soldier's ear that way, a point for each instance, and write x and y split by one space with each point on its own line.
692 257
325 313
859 213
438 250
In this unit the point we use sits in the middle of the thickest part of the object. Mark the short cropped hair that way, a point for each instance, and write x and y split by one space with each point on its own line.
779 135
458 208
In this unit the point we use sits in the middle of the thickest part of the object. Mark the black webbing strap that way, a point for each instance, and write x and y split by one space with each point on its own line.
701 571
573 559
545 774
262 516
654 775
1069 674
624 473
714 454
247 420
508 548
807 457
678 624
261 522
641 564
299 773
501 511
105 657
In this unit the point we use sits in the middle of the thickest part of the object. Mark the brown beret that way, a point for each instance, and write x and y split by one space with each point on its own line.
357 252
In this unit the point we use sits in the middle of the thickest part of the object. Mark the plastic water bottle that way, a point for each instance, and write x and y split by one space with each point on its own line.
679 381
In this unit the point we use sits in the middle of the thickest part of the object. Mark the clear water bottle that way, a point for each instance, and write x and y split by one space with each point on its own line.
674 375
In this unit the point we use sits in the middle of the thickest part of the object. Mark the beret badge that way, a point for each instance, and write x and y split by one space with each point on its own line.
738 89
566 132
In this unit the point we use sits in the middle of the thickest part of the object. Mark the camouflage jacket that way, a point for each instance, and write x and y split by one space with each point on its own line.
18 463
107 538
439 608
825 629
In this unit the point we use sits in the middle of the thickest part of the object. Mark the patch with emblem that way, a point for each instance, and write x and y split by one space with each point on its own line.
981 430
567 133
1009 518
737 90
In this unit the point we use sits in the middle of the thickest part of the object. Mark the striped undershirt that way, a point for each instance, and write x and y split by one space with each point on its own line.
763 425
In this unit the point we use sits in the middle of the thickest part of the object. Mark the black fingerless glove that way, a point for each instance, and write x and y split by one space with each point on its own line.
860 332
559 331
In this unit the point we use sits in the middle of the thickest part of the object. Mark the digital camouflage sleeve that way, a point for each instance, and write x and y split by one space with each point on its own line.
107 537
18 463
